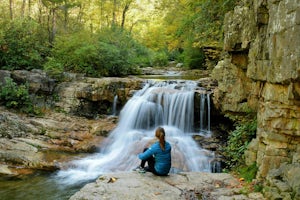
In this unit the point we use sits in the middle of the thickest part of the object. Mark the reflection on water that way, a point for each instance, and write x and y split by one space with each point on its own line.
41 186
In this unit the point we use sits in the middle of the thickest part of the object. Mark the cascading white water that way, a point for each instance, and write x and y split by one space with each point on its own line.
205 113
114 107
167 104
208 112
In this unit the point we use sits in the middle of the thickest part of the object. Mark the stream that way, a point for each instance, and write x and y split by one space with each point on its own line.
40 186
169 104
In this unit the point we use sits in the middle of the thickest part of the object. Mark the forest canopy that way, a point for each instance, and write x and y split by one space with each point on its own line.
108 37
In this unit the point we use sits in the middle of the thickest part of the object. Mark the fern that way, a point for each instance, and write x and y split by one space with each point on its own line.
238 142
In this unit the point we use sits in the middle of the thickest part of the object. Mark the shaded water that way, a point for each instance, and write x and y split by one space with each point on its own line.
40 186
205 113
114 107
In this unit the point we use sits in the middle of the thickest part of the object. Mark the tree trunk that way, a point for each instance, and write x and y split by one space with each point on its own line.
40 8
51 25
113 22
23 8
29 7
11 4
101 13
126 7
66 15
53 33
80 13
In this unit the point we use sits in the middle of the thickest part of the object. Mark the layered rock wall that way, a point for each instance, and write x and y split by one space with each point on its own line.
261 72
83 96
92 96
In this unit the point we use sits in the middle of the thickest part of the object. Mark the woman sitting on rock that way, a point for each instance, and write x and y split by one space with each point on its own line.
158 156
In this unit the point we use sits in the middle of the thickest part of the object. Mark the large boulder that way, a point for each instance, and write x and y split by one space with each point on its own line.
39 82
188 185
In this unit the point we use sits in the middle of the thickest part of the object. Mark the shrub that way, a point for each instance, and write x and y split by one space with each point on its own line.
14 96
54 68
159 59
22 45
193 57
74 52
110 52
120 53
238 142
248 172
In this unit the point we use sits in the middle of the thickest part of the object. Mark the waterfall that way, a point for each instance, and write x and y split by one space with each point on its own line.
114 108
205 113
167 104
208 113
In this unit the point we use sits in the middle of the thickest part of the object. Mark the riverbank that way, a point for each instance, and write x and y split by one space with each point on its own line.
30 143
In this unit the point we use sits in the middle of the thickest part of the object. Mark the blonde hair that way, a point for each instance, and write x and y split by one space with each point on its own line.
160 134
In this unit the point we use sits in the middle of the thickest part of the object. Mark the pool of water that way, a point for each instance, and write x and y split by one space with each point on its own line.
40 186
170 77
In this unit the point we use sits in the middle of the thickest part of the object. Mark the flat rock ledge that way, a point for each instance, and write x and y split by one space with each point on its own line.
187 185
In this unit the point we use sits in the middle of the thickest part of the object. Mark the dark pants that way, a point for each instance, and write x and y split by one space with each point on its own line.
151 162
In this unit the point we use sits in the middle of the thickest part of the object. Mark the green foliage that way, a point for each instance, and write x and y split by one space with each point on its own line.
193 24
248 172
258 187
104 47
159 59
110 52
176 55
121 54
22 45
14 96
238 142
54 68
68 53
193 57
204 21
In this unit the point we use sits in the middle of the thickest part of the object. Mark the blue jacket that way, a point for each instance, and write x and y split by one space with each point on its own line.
162 158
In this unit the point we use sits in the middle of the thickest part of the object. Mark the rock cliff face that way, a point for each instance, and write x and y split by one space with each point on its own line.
261 72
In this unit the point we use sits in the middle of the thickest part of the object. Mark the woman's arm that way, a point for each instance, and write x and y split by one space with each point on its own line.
149 152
